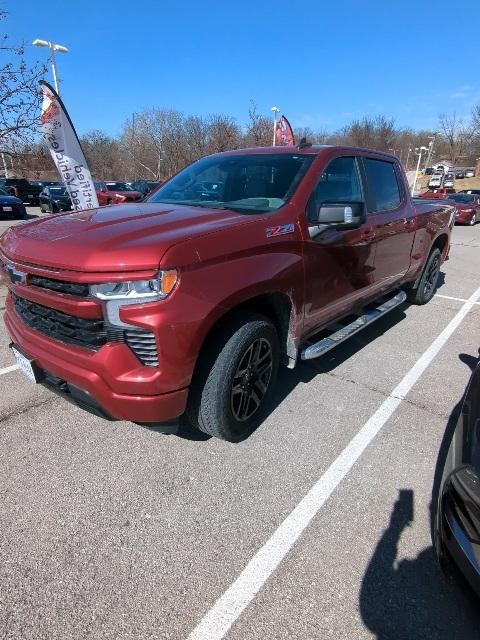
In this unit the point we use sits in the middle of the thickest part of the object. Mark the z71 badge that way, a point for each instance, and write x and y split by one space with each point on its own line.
281 230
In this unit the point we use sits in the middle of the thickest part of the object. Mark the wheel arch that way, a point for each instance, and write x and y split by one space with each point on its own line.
278 307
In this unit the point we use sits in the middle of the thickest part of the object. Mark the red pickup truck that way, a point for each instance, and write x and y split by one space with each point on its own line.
187 303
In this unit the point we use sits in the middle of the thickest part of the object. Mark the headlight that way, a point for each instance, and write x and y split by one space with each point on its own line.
121 294
143 290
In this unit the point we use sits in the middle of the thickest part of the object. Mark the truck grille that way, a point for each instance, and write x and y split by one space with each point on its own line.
91 334
59 286
61 326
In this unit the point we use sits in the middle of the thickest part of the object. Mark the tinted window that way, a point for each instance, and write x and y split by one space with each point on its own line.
383 185
339 182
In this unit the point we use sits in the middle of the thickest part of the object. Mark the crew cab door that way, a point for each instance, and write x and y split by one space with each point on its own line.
391 215
339 263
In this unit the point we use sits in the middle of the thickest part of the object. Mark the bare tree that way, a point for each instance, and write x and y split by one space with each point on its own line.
476 119
103 154
458 136
375 133
19 95
224 133
259 129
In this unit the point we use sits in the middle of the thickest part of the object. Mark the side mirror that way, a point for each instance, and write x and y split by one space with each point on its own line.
341 215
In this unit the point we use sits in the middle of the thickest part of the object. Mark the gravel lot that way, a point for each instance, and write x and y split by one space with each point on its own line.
111 530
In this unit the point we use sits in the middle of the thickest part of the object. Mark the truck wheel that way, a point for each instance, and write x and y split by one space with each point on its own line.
234 383
428 282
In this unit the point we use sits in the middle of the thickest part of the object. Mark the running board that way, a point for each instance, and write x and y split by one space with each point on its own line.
322 346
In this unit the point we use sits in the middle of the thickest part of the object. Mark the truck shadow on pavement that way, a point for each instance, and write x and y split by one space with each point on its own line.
410 599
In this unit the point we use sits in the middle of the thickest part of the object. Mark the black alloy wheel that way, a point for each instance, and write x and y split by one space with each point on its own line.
251 380
431 277
234 382
425 289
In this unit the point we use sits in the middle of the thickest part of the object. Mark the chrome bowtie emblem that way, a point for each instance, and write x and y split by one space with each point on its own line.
17 277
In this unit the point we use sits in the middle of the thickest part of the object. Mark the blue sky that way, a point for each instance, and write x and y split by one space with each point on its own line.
323 63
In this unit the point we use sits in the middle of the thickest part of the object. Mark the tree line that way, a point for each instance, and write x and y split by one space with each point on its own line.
157 142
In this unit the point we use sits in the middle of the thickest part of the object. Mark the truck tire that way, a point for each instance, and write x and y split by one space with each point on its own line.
233 385
428 281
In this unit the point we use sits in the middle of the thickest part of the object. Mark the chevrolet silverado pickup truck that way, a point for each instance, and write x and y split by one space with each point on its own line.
187 303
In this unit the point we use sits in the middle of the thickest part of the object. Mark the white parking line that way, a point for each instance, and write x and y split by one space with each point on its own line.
439 295
218 620
14 367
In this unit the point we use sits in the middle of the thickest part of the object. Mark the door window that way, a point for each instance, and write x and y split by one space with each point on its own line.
340 182
385 193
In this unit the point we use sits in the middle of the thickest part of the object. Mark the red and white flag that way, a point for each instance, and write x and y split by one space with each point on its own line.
62 141
283 133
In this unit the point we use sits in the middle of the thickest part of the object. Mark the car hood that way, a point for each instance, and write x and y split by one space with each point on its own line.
10 200
464 207
127 237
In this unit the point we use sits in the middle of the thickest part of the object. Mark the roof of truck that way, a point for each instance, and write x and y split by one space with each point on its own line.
313 149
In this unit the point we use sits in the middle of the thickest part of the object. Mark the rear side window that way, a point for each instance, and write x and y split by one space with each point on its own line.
383 185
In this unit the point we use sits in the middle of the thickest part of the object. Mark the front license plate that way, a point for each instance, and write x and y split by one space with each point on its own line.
24 364
30 195
7 208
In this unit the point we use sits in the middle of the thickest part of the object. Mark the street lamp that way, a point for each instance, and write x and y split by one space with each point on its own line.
53 47
418 152
430 149
408 155
275 111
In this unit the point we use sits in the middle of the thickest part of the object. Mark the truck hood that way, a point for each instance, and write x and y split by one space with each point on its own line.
127 237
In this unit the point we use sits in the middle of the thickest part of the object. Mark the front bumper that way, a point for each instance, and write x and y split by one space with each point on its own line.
111 379
464 553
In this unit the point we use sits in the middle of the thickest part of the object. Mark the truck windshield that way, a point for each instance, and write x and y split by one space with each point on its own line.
257 183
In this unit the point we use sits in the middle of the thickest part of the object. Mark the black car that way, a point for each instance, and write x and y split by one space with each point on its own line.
46 183
460 174
11 206
22 188
55 199
145 186
429 171
474 191
456 534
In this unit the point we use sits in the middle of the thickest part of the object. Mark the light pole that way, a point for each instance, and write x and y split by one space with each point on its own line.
53 47
419 153
430 149
406 161
275 111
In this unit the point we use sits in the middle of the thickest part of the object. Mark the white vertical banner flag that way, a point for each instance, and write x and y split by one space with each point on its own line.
62 140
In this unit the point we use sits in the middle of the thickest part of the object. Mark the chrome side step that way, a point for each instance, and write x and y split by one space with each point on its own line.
322 346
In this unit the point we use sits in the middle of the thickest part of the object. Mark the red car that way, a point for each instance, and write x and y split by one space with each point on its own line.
188 302
468 207
116 193
437 194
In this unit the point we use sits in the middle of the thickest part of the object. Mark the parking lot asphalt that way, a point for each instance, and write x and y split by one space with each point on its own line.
112 530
